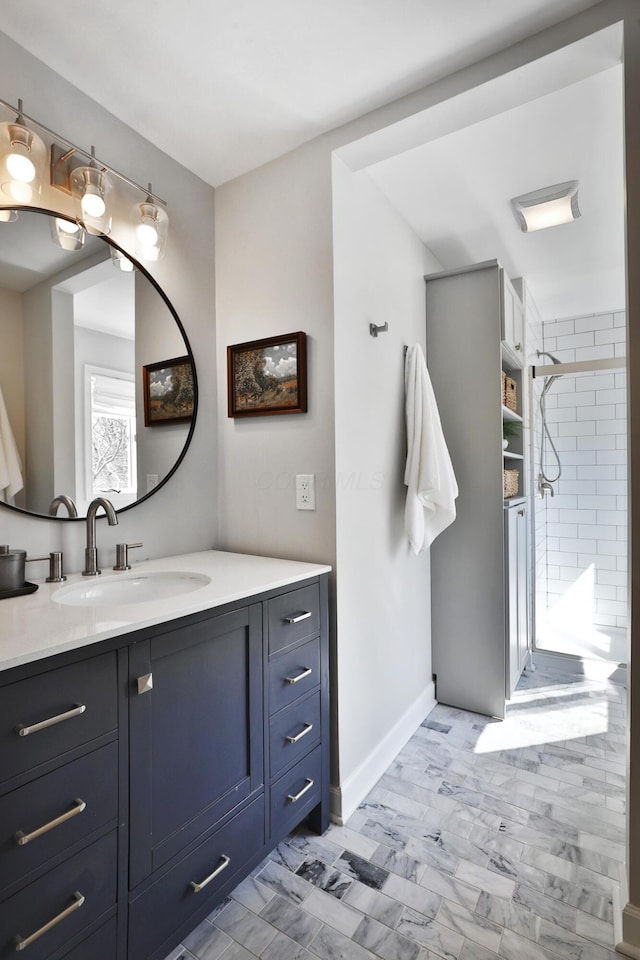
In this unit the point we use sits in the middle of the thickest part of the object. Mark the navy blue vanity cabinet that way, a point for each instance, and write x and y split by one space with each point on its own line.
196 733
297 678
59 803
143 777
196 771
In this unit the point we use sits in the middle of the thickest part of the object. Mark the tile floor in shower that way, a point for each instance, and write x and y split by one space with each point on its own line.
484 839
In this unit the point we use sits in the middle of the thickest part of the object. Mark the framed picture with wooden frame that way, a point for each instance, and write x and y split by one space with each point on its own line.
168 391
267 376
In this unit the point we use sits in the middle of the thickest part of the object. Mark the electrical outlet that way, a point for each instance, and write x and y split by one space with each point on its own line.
305 491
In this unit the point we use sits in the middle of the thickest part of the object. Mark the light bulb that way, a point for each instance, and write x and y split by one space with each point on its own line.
92 202
21 192
20 167
67 226
146 232
150 253
8 216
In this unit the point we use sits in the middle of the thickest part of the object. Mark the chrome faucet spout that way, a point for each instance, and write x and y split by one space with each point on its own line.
91 551
62 501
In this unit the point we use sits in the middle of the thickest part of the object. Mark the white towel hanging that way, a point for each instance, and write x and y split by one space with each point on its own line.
11 481
432 488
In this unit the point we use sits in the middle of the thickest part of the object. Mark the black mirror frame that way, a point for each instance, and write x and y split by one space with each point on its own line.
189 353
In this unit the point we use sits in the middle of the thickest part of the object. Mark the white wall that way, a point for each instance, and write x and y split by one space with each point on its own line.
382 593
273 275
183 515
12 368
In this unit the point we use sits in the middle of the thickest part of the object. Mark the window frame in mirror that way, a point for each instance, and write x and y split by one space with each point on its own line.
188 352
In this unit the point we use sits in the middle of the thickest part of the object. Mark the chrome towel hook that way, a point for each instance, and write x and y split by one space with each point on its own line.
375 330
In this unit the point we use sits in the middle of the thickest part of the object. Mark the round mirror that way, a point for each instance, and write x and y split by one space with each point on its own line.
98 390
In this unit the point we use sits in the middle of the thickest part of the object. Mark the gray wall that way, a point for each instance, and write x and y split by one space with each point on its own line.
186 276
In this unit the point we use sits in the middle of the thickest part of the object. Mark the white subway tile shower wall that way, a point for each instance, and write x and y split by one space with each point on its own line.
586 522
534 341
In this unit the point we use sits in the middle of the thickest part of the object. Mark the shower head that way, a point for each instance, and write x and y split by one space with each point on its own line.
545 353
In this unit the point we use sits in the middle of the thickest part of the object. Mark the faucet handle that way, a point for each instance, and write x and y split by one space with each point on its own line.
122 555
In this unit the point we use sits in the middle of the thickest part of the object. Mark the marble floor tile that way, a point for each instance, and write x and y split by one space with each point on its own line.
296 923
484 840
342 917
206 942
245 927
441 940
331 945
282 948
469 925
328 879
385 943
374 904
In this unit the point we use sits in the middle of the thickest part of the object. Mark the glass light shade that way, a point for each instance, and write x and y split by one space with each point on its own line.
151 225
91 187
67 233
8 216
548 207
23 159
121 262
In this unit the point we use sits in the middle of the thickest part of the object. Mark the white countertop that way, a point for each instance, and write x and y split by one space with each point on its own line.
35 626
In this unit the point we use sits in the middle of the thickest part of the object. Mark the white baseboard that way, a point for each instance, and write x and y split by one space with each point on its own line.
346 798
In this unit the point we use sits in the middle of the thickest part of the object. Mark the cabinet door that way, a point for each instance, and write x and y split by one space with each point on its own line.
512 319
523 592
195 732
516 593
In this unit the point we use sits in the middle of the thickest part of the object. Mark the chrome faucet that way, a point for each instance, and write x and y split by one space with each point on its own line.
544 487
91 551
63 501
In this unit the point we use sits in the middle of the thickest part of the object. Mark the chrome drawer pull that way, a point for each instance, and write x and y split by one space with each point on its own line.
297 617
35 727
306 672
294 799
308 727
24 838
197 887
23 942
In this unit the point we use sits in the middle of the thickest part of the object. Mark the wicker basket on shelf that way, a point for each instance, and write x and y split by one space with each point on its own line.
511 482
510 393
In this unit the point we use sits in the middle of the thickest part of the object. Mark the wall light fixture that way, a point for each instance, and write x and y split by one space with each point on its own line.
67 233
151 226
23 158
80 174
547 207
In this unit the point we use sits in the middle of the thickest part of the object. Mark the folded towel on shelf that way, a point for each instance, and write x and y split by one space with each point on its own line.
432 488
11 481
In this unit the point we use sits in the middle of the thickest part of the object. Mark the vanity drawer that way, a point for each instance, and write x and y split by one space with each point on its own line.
293 616
304 781
172 899
293 674
101 945
293 732
41 718
87 788
91 874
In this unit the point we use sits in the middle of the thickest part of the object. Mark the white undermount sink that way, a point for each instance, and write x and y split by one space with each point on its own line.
132 588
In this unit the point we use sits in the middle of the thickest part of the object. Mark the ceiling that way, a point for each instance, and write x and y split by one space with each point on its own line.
223 86
455 192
